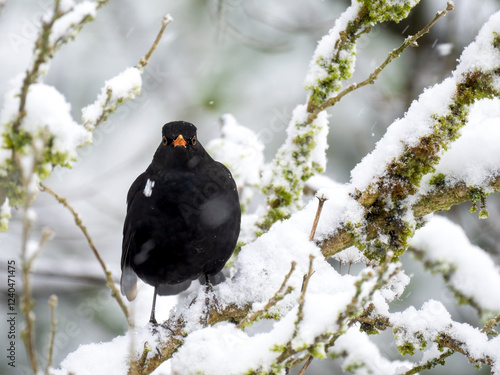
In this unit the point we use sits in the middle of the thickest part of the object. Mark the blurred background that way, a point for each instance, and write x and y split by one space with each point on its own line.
244 57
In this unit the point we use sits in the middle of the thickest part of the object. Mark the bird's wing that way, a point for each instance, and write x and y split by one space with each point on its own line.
128 281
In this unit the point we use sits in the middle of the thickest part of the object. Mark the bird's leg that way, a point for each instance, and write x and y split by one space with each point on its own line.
209 294
152 318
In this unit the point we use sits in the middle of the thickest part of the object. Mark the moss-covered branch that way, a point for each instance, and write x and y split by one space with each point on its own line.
439 199
303 153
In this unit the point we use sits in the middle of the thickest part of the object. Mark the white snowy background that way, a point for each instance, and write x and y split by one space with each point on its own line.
248 59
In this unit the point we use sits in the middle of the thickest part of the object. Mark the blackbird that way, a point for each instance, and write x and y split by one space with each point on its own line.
183 218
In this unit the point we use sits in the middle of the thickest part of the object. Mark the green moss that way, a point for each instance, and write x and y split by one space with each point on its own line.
478 195
368 329
353 367
278 348
438 180
383 10
406 348
496 40
318 350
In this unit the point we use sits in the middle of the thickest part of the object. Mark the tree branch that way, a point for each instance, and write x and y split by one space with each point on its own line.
439 199
410 41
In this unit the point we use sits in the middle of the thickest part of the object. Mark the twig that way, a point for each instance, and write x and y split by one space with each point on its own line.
110 105
53 322
42 51
321 202
410 41
488 328
300 314
27 301
248 320
110 283
430 363
164 23
306 365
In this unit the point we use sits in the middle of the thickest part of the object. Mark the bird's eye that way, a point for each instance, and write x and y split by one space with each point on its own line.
164 141
193 140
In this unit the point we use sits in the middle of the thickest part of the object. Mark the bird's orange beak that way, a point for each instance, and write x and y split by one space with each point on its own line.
180 141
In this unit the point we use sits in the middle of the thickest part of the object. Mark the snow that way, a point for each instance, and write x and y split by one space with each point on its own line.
241 150
325 49
111 358
481 54
476 152
67 26
444 49
474 157
446 244
123 86
433 322
48 114
213 346
406 132
362 356
431 319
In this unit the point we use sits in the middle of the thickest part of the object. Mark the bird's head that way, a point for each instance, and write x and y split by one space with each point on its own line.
179 134
179 147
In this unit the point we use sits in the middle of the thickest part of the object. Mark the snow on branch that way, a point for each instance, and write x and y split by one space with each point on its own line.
443 248
303 153
387 181
415 329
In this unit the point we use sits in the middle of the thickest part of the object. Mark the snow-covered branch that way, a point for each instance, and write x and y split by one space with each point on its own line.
302 155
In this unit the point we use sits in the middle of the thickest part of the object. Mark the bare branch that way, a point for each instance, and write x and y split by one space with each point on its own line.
321 202
164 23
53 323
110 283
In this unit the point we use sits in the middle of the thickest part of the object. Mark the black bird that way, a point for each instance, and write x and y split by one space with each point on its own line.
183 218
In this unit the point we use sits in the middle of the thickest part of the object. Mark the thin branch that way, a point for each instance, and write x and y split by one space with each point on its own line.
300 314
110 283
164 23
53 323
410 41
27 301
306 365
430 363
321 202
42 50
278 296
488 328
